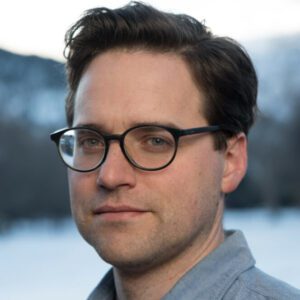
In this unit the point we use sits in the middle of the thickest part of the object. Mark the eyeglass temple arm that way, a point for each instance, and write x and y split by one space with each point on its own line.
199 130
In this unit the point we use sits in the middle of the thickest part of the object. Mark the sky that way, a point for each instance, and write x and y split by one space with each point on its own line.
38 27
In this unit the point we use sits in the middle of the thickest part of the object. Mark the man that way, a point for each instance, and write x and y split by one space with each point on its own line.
158 112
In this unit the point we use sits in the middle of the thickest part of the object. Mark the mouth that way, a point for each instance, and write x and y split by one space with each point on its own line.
118 213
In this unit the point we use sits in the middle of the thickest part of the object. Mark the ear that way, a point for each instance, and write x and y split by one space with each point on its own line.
235 163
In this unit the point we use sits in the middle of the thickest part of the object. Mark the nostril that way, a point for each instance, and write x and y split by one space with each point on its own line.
103 186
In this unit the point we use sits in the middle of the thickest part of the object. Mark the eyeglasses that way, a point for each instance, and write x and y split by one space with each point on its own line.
146 147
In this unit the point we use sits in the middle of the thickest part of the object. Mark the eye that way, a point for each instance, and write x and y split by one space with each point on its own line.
157 141
156 144
90 143
149 140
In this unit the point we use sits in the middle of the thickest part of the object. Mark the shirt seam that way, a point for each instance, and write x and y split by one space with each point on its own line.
230 281
256 291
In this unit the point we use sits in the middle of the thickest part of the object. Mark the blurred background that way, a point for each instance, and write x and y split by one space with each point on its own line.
40 249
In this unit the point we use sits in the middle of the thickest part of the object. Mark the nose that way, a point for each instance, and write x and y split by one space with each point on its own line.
116 171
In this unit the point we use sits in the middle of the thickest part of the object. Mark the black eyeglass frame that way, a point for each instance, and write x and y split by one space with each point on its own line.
176 133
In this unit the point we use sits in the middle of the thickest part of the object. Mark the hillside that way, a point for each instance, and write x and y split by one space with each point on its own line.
32 89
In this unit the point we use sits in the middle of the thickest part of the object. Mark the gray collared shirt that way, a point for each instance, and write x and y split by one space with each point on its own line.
228 273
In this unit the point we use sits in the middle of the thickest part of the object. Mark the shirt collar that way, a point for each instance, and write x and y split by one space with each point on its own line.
213 275
105 289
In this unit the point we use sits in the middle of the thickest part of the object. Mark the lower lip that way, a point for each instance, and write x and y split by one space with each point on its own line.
121 216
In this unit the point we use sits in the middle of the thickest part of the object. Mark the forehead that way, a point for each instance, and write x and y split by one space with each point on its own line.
124 87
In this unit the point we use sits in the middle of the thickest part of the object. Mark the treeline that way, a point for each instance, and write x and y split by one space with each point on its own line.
32 180
273 178
34 184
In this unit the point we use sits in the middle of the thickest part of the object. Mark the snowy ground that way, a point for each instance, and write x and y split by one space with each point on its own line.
42 261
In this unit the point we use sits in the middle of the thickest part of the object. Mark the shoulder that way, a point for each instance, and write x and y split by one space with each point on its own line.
255 284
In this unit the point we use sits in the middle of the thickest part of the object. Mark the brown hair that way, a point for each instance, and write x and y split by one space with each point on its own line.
220 66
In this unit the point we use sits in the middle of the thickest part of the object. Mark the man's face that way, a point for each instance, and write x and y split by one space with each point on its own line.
137 219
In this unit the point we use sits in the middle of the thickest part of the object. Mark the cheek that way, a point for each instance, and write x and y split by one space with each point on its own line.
178 192
193 187
81 187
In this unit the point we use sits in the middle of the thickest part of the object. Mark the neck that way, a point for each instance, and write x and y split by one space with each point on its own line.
155 283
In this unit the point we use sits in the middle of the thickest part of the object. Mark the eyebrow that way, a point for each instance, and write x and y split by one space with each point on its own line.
90 126
101 128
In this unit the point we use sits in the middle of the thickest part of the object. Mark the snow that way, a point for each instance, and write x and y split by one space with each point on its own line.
46 261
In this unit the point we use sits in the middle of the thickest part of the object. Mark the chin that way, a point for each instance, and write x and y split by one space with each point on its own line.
129 257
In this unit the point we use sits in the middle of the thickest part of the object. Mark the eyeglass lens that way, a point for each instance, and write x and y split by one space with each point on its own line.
147 147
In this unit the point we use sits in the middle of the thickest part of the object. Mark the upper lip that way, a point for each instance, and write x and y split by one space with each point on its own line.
116 209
